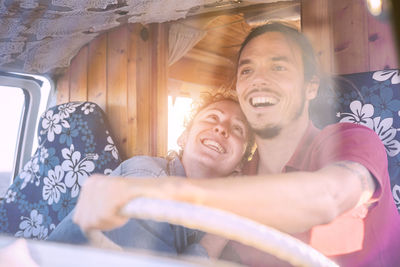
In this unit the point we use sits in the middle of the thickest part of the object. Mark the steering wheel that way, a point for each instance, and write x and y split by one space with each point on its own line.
222 223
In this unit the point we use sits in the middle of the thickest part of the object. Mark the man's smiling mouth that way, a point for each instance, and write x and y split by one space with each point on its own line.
263 101
213 145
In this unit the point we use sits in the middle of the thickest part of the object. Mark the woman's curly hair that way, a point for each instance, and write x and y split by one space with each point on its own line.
207 98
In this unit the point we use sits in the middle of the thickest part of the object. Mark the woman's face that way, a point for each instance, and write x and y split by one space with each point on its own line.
217 140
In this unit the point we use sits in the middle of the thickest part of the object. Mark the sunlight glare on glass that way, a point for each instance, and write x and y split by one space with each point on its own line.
44 99
11 109
176 117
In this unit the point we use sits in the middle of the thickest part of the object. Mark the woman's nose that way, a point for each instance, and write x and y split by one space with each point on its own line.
220 129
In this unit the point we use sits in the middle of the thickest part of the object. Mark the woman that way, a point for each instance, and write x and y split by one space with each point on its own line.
215 143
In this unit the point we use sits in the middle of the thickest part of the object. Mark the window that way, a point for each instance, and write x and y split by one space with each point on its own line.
22 99
178 108
11 111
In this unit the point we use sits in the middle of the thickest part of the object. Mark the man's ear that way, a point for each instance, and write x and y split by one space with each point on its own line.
183 139
312 87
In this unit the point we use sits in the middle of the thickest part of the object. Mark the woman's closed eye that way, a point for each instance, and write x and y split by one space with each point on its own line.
212 118
238 130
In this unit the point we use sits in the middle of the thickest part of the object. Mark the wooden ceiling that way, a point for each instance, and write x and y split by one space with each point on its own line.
211 62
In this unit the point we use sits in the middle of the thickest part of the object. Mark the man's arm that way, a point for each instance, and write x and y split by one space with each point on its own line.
291 202
367 181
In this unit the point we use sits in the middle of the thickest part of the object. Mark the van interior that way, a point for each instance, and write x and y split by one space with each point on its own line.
136 66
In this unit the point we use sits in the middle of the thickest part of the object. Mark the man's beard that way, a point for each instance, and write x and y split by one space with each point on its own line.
268 132
271 131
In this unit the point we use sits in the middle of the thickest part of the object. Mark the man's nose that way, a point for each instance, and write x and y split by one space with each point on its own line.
260 78
221 129
260 81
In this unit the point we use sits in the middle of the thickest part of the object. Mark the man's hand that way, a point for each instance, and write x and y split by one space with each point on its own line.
17 254
214 245
99 203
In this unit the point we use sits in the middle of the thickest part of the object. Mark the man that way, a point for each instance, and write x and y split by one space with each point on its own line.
347 185
329 188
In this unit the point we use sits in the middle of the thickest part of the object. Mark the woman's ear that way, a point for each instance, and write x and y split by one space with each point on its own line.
312 87
238 170
183 139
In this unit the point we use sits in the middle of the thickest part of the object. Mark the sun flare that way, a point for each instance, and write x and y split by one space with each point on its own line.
177 111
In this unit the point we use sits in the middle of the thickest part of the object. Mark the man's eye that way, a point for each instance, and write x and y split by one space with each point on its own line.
245 71
278 68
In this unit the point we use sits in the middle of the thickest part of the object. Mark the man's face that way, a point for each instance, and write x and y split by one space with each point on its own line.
217 139
270 83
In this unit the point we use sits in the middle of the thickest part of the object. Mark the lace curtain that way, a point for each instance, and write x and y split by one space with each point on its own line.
182 38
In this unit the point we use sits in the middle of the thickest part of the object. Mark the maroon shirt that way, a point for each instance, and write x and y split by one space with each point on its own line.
365 236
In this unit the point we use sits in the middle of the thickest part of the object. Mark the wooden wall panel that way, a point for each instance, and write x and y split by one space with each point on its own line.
349 36
97 71
117 61
78 76
63 88
125 72
200 72
143 70
159 89
316 23
381 45
355 41
132 106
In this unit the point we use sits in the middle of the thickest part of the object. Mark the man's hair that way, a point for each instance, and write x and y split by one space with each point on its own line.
310 62
208 98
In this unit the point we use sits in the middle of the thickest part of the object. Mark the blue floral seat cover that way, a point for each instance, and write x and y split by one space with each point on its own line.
74 142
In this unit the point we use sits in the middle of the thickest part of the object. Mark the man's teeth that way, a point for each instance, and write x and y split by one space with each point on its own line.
263 101
214 145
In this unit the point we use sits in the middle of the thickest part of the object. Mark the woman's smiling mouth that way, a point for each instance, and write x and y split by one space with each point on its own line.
213 145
